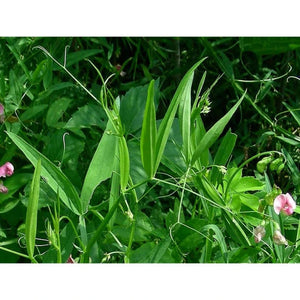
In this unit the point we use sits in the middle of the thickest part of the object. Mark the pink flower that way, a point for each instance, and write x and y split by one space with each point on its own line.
6 170
71 260
279 239
1 113
259 233
284 202
3 189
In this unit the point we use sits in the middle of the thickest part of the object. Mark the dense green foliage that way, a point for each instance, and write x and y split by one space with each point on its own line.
149 149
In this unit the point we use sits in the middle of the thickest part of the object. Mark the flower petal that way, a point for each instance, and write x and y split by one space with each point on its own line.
279 203
6 170
290 201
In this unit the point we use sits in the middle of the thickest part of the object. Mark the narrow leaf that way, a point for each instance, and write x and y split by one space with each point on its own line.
184 113
52 174
215 131
294 112
223 154
124 163
166 124
32 208
148 135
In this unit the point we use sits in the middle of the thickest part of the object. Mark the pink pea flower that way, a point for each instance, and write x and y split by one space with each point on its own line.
259 232
3 189
279 239
284 202
6 170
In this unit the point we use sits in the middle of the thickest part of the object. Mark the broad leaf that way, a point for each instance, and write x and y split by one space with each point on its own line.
101 165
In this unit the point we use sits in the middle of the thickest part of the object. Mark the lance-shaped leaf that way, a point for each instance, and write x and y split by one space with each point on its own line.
124 162
214 132
32 209
148 135
52 174
166 123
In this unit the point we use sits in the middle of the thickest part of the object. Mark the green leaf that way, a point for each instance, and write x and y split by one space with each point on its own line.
32 209
293 142
114 192
87 116
52 174
101 165
33 111
173 158
137 172
166 124
47 79
56 111
124 163
246 184
234 229
13 184
293 169
184 113
39 72
133 104
143 254
269 45
223 153
214 132
218 236
148 135
160 250
294 112
17 55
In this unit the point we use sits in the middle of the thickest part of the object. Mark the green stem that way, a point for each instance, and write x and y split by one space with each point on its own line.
135 210
128 251
16 253
85 255
74 229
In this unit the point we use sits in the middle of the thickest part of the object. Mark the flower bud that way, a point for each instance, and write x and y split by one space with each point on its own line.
70 260
279 239
259 232
3 189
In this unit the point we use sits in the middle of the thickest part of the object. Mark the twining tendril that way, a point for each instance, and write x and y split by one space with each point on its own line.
267 79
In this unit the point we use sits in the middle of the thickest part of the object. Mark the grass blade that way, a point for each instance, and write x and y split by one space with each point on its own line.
31 215
52 174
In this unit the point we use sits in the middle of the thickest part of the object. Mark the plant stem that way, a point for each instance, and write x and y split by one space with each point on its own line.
16 253
85 255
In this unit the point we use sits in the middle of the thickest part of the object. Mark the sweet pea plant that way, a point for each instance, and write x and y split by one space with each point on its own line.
150 188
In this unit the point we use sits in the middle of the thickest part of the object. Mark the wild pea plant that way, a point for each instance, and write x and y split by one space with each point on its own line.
164 190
